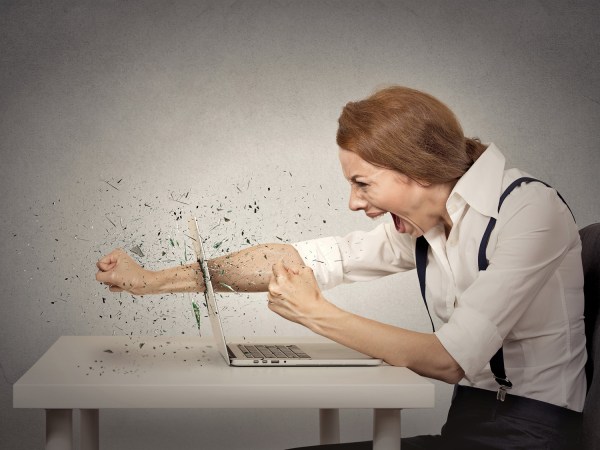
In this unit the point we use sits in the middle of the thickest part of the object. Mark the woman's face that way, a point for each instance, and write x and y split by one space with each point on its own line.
415 208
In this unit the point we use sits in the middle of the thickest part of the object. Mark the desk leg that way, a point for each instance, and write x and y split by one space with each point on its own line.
329 426
386 429
59 429
89 427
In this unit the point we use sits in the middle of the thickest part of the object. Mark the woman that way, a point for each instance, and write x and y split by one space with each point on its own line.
515 300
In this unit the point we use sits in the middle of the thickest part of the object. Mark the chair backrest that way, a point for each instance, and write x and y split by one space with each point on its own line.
590 255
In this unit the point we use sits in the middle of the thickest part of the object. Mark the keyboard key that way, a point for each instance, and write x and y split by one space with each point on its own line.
265 351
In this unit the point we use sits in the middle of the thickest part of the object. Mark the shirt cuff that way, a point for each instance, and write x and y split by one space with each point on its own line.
324 258
471 339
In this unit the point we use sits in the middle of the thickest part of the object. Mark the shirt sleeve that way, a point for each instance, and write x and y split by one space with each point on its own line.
534 232
358 256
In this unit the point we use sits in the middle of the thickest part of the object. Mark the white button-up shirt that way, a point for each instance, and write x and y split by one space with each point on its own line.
529 300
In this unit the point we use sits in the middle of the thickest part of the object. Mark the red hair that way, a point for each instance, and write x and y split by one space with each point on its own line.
408 131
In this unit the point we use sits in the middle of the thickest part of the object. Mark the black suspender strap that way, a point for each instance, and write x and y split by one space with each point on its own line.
482 261
421 249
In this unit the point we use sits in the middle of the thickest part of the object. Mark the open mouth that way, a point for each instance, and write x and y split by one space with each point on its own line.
399 223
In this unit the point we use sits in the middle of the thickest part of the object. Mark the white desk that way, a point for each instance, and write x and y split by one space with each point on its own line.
94 372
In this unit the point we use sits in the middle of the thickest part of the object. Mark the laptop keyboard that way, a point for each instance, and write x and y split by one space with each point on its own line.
272 351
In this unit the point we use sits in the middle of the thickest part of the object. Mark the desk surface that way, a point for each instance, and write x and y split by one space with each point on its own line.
188 372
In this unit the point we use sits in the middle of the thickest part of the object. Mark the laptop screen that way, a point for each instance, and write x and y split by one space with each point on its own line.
209 293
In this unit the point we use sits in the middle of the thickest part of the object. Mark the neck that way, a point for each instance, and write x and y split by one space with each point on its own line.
443 192
447 225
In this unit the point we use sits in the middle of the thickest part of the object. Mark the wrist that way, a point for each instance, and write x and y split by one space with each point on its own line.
325 318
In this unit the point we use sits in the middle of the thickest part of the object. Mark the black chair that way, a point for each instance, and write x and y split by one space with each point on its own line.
590 255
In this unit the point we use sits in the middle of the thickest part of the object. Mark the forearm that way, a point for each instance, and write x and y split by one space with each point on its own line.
420 352
186 278
248 270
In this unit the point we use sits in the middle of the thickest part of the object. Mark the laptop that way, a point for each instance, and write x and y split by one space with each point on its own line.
285 353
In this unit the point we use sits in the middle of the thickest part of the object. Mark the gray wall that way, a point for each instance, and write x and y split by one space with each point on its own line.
119 117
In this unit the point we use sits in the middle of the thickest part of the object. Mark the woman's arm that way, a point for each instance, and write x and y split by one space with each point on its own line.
295 295
421 352
248 270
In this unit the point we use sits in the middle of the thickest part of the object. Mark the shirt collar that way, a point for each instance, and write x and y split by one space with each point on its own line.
480 187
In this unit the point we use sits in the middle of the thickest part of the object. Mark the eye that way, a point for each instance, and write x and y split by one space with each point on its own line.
359 184
362 185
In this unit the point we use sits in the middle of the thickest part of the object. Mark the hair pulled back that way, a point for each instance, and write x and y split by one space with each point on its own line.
408 131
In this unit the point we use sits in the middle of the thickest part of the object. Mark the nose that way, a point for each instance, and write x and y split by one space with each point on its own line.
356 202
